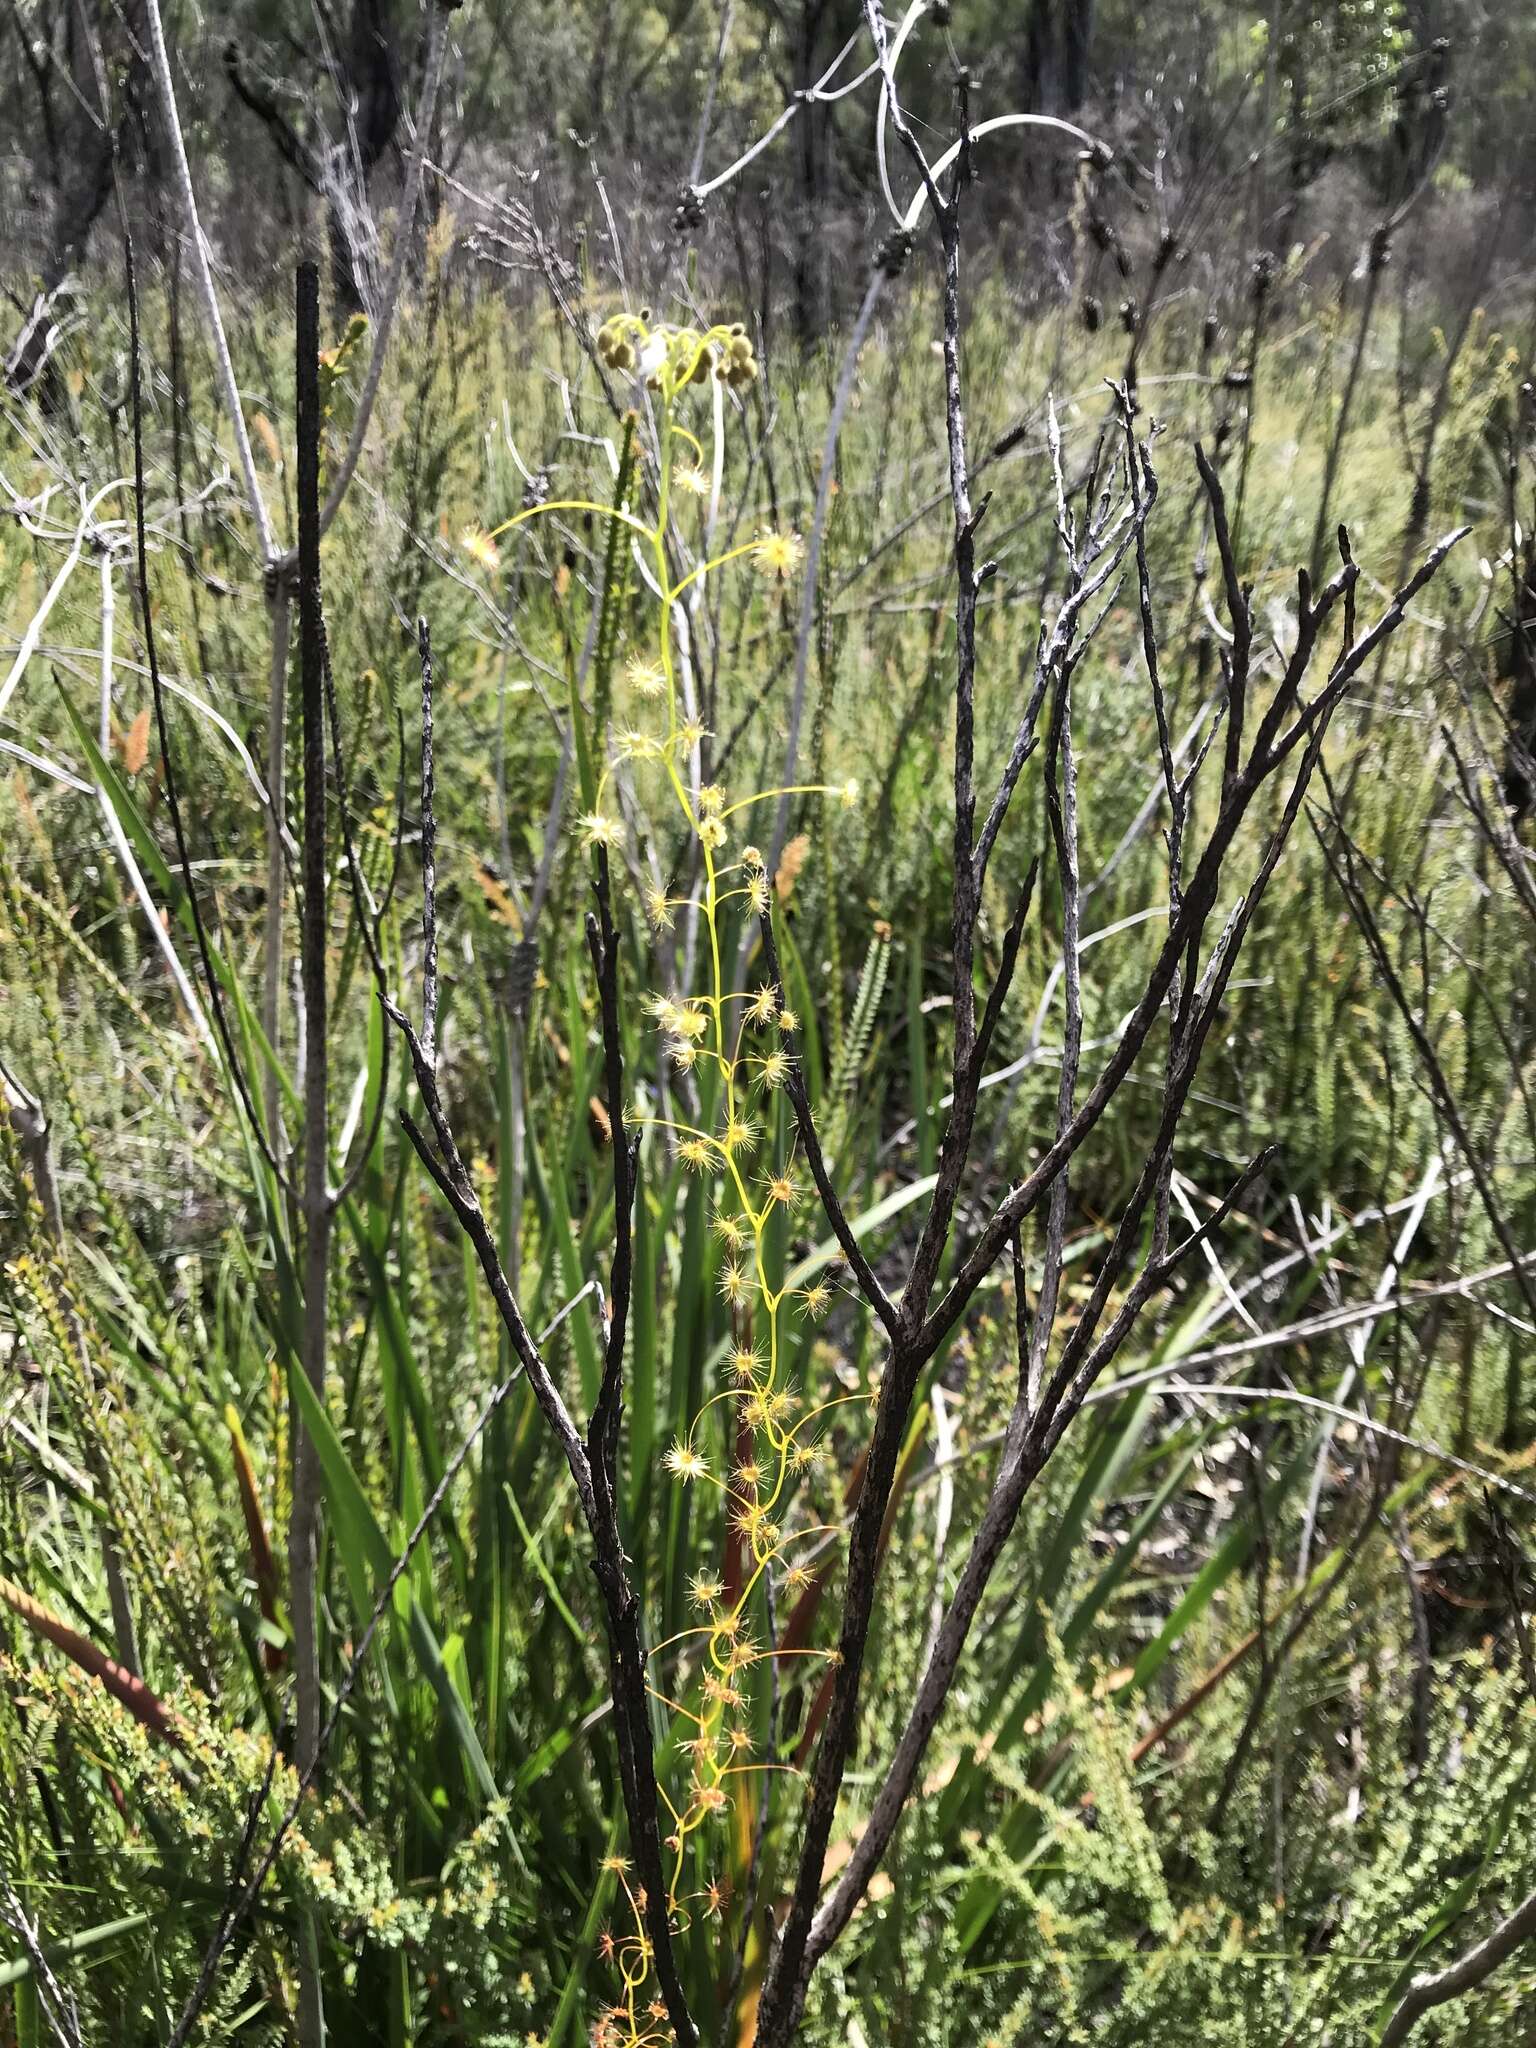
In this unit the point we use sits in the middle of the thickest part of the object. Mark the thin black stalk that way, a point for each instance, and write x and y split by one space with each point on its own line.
304 1520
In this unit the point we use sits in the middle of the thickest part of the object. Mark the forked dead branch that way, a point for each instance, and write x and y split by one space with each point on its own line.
1216 885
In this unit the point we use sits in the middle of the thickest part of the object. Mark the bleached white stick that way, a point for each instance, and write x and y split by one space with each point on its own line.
437 48
202 270
124 851
55 590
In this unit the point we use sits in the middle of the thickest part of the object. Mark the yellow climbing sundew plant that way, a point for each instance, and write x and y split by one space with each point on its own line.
744 1039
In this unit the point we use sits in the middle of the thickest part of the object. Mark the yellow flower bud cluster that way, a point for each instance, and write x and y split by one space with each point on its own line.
739 368
670 358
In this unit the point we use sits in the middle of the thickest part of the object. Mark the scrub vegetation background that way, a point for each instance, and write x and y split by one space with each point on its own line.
1243 1741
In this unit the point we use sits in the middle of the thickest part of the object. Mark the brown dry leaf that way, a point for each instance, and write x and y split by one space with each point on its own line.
601 1118
136 743
266 434
746 2015
497 899
126 1687
879 1886
561 1050
791 861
